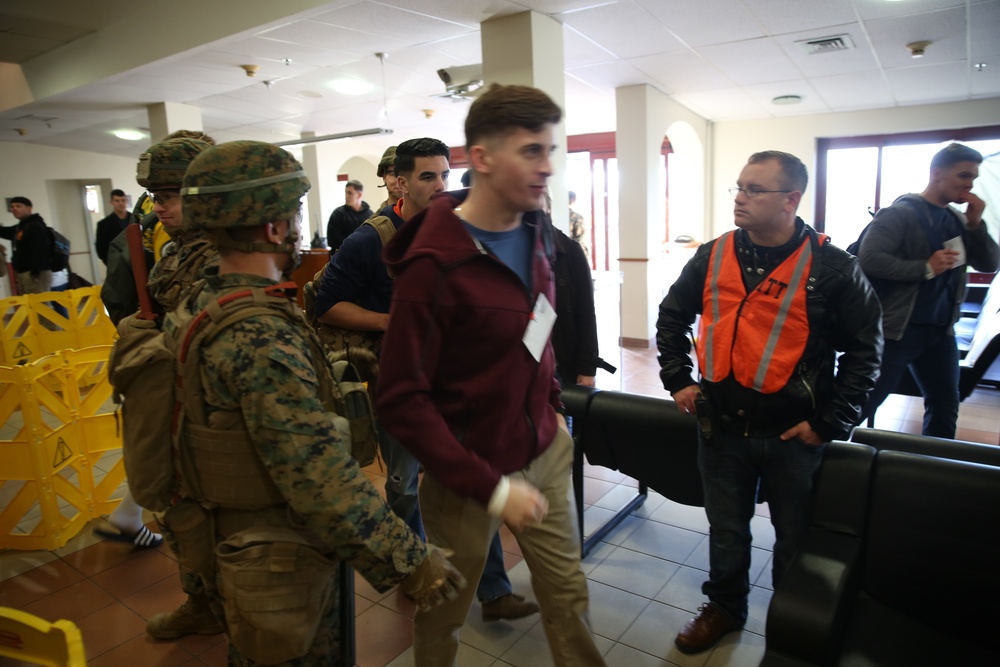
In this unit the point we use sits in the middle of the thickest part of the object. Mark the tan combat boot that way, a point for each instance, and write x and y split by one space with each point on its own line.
194 617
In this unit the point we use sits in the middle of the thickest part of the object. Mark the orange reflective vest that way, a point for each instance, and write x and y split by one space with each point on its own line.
758 337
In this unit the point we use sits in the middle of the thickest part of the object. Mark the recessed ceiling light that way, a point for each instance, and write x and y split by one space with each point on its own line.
311 94
129 135
787 99
350 86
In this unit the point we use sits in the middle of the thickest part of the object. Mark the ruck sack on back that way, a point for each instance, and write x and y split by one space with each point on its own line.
58 251
143 369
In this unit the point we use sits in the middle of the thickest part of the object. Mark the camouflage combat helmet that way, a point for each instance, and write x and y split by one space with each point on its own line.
243 184
162 166
388 157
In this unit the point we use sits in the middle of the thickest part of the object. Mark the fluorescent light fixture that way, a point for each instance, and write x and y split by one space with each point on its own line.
351 86
333 137
129 135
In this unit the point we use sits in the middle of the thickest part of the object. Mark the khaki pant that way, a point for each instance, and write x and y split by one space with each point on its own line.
27 284
551 551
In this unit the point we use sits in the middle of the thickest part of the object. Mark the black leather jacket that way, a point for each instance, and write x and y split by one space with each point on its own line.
844 316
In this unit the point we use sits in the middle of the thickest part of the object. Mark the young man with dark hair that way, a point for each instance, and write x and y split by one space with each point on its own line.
32 248
113 224
777 303
345 219
915 251
356 291
467 381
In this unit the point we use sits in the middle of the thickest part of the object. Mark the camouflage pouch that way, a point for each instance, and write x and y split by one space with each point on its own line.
141 370
276 587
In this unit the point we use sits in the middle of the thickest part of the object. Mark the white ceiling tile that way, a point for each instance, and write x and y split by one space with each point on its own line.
374 17
938 83
856 90
764 93
751 61
945 29
984 25
857 59
261 49
609 76
706 21
325 36
880 9
469 12
581 50
682 70
624 29
588 109
723 104
987 82
781 17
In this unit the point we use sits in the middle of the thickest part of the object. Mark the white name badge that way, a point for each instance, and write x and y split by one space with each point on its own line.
543 318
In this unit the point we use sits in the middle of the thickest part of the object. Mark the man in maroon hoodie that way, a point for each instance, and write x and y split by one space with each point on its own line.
468 376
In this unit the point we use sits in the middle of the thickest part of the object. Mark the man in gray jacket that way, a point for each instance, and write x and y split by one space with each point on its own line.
915 254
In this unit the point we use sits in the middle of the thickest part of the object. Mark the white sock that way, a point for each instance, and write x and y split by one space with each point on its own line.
127 517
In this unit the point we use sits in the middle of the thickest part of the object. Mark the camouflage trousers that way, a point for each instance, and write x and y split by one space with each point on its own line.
191 583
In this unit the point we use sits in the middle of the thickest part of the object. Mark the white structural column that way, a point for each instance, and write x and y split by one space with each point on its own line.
310 162
527 49
167 117
645 117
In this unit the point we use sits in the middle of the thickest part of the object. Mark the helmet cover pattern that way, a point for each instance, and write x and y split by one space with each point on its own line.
242 184
162 166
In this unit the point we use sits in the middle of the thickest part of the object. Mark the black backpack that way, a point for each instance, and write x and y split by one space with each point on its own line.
855 248
58 251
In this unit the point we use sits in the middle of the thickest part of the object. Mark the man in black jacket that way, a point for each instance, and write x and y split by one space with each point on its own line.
112 225
32 248
777 302
345 219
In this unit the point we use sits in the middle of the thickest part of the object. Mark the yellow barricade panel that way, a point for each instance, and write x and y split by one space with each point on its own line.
39 324
59 462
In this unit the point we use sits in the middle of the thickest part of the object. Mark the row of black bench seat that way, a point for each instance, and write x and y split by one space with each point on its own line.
645 438
899 565
901 559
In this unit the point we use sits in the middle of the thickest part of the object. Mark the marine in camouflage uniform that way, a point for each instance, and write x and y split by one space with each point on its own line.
160 170
264 377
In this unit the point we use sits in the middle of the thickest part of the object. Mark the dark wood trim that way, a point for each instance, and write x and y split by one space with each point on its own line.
637 343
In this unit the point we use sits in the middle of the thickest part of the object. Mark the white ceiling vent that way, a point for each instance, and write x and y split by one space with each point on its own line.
827 44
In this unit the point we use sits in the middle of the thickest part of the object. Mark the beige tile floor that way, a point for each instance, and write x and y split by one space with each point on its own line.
644 578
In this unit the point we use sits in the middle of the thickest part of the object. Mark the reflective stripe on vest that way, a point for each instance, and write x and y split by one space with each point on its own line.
758 337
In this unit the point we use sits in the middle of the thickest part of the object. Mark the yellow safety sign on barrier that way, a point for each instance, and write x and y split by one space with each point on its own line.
60 448
34 325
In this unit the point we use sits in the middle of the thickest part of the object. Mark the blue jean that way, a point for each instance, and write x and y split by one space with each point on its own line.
731 468
401 480
494 583
931 353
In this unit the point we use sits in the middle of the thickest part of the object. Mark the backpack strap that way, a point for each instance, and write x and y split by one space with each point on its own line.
386 230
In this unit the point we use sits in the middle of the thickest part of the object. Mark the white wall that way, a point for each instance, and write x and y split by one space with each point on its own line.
733 142
28 169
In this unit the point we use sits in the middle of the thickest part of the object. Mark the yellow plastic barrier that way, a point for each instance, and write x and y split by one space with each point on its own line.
35 325
59 462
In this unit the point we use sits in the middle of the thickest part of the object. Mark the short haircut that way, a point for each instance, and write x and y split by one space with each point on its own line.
796 177
466 178
117 193
408 152
357 185
20 200
504 109
954 153
572 196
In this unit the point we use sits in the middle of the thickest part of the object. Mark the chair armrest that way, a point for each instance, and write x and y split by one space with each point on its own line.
808 613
